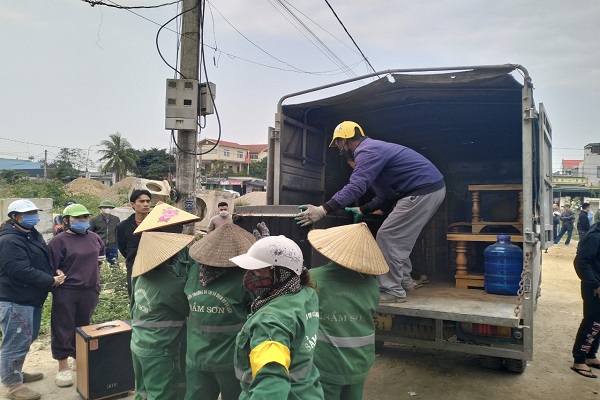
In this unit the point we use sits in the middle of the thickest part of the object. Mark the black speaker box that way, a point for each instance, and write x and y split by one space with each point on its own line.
104 365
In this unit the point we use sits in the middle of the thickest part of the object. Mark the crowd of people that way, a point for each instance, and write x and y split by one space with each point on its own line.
237 315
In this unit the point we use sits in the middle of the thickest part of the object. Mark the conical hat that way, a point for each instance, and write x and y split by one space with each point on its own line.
225 242
351 246
156 248
165 215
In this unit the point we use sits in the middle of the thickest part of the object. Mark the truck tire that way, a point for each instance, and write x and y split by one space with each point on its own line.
517 366
490 362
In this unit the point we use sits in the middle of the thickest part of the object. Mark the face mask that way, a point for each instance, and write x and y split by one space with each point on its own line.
29 221
255 284
105 210
223 213
80 226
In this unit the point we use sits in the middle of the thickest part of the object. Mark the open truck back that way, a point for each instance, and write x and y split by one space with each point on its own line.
480 127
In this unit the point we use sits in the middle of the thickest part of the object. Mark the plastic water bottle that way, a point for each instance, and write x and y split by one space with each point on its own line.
503 266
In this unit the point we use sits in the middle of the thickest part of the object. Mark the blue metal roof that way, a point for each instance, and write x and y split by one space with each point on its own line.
8 163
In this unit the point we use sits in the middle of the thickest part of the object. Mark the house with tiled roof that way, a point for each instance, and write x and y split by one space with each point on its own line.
236 157
570 167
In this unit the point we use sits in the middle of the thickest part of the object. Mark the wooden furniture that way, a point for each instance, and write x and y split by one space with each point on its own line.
463 278
476 224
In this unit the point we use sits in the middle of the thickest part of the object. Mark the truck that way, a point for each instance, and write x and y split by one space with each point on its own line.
481 128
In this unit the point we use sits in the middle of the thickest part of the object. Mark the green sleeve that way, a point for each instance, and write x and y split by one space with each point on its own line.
272 381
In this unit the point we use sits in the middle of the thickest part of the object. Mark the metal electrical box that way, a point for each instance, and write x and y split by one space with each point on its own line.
181 108
208 93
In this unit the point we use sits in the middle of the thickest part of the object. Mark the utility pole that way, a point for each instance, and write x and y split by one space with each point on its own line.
187 140
45 164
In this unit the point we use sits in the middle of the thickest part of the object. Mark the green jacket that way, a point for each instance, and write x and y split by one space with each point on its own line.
274 354
217 313
346 340
159 308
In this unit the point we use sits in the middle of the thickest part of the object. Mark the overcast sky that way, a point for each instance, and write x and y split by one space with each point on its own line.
73 74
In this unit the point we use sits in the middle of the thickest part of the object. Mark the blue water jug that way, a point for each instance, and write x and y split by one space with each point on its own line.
503 266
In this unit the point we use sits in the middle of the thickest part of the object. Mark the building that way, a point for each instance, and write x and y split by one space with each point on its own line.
31 168
590 167
236 157
570 167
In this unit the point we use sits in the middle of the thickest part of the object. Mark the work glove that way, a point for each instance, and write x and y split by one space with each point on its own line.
262 231
357 215
310 214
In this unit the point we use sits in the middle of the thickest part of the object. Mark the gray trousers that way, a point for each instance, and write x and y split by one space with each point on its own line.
398 235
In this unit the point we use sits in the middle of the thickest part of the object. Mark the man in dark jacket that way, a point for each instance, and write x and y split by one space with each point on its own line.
587 266
105 225
583 222
567 218
127 242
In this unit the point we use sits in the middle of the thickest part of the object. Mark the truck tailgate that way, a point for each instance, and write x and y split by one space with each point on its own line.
443 301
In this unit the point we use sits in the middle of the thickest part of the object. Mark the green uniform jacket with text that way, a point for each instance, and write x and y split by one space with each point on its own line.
345 348
217 313
287 323
159 308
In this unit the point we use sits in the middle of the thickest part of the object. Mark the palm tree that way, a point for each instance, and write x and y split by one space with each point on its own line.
118 156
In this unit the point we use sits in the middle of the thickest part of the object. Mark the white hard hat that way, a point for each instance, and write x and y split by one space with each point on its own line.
272 251
22 206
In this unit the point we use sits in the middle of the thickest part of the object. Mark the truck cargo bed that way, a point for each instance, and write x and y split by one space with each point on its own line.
440 300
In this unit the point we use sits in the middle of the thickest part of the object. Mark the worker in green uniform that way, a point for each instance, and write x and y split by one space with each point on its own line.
275 348
218 307
348 297
159 306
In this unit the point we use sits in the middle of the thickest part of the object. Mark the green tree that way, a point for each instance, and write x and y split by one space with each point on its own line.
217 170
67 165
118 156
62 170
155 163
11 176
259 169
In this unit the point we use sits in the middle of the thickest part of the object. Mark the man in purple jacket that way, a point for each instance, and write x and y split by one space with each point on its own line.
396 174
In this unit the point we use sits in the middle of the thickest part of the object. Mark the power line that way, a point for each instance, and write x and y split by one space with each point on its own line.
233 56
349 35
325 30
39 144
323 48
251 42
115 5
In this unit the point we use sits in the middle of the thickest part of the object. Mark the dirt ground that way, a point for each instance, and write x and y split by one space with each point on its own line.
403 372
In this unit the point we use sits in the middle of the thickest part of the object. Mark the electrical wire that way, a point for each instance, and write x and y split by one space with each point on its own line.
43 145
349 35
325 30
94 3
254 44
323 48
235 57
158 46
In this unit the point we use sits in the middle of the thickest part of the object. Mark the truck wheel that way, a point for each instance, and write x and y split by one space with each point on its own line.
490 362
517 366
379 346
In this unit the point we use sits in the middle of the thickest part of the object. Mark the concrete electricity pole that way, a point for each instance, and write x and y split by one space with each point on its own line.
187 140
